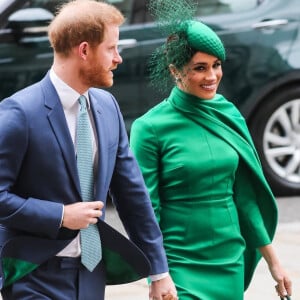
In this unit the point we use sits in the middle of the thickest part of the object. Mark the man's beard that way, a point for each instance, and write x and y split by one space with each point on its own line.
96 77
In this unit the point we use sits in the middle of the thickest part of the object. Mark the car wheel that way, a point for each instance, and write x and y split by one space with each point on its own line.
276 133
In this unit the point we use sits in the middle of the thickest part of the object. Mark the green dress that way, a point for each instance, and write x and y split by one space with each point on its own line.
208 191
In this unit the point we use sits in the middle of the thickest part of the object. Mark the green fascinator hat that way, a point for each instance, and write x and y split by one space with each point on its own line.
185 36
204 39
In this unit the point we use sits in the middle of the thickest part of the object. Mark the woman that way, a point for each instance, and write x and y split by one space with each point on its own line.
213 204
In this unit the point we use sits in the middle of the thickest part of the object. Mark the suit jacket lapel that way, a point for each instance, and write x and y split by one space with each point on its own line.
59 125
102 141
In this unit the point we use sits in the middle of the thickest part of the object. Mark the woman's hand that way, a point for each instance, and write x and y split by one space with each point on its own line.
284 283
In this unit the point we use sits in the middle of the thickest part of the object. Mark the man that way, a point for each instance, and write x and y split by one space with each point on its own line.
44 210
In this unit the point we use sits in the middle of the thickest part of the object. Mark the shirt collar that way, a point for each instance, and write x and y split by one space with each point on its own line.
68 96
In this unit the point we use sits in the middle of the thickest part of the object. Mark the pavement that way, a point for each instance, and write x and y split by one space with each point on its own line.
286 243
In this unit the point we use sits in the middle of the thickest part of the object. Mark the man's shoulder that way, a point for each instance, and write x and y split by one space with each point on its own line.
100 93
27 92
34 91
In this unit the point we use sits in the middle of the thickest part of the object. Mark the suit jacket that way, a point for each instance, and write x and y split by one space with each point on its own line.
38 175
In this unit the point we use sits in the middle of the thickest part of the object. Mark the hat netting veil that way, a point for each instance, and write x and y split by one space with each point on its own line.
185 36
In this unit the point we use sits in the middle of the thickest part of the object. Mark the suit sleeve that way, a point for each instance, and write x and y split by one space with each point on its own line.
26 214
133 204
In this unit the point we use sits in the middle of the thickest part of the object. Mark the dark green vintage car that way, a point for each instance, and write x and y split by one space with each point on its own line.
261 72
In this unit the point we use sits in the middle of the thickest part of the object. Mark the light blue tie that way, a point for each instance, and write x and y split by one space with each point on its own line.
91 252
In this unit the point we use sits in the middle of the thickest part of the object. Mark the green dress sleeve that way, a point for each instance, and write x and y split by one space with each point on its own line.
250 216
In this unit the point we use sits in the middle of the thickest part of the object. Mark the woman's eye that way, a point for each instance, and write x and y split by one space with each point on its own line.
199 68
217 65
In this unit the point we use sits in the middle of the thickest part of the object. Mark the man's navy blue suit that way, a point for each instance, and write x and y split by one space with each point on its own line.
38 175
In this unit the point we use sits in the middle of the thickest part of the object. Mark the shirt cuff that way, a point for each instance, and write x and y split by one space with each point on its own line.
62 216
159 276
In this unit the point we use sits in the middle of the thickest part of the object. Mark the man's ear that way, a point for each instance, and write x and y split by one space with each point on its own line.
83 50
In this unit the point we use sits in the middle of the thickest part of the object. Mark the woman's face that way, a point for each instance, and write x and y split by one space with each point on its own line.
201 76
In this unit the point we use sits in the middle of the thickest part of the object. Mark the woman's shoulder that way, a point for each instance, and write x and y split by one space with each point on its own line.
154 120
156 112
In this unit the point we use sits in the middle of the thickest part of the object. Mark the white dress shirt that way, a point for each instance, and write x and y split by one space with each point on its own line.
69 100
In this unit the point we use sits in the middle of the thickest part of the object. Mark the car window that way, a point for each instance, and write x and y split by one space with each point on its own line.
214 7
140 14
136 12
125 6
5 4
50 5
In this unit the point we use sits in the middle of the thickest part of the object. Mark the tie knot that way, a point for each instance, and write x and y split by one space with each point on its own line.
83 102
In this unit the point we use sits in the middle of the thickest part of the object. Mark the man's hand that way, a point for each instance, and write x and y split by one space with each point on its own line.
163 289
81 214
